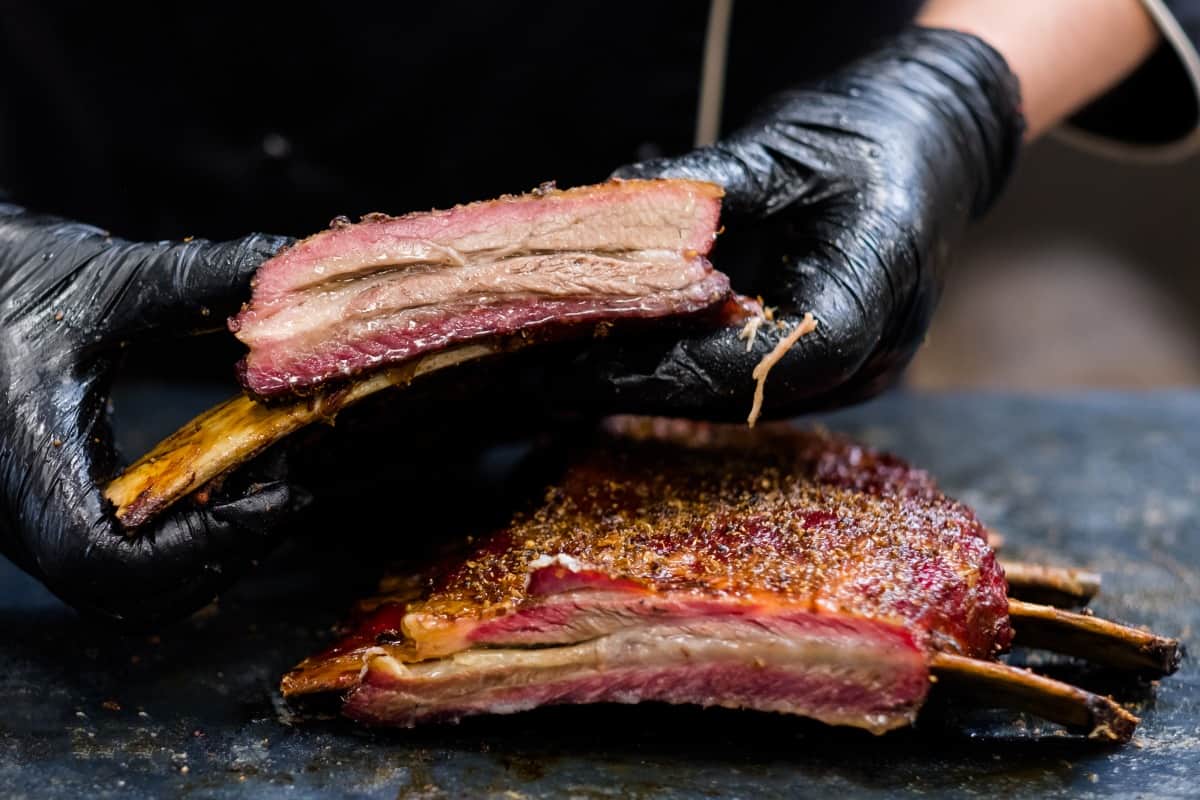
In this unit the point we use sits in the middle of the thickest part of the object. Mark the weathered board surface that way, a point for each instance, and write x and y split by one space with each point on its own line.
1109 482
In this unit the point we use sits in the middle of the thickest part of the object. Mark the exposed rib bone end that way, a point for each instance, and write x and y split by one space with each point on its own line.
990 683
1098 640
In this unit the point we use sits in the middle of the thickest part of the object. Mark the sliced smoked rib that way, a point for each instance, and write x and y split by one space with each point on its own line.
1098 640
359 308
1052 586
363 296
991 684
774 569
233 432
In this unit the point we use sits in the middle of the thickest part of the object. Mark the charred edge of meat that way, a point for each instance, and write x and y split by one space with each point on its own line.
992 683
1098 640
1052 586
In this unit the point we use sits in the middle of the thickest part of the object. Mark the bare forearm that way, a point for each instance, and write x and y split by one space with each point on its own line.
1065 52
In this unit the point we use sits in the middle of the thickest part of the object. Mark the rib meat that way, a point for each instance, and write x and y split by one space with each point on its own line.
387 289
778 570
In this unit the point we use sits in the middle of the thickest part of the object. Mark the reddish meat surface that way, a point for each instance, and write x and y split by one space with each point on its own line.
774 569
362 296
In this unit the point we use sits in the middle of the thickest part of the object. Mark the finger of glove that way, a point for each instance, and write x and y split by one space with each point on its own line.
181 288
872 294
264 507
164 570
98 288
841 276
706 376
756 181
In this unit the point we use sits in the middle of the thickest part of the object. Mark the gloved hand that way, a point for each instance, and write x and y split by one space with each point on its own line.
70 298
844 198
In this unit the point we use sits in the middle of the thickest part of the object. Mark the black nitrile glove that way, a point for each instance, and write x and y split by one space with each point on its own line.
844 198
70 298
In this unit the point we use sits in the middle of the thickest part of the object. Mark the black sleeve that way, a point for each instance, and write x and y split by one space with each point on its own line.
1155 112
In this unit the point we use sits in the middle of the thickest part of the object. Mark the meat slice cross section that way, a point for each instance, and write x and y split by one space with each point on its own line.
368 295
777 570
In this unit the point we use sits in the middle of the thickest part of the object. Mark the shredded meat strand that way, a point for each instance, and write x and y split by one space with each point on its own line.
749 331
806 326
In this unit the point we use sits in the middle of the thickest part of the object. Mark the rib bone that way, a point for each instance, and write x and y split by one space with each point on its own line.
238 429
992 683
1053 586
1098 640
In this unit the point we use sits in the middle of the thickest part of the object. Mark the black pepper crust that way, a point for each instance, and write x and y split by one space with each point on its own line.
781 515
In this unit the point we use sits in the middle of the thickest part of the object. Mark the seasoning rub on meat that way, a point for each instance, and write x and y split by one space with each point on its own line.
776 570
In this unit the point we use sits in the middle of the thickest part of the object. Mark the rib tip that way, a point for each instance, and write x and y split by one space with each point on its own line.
1112 723
136 512
1169 655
